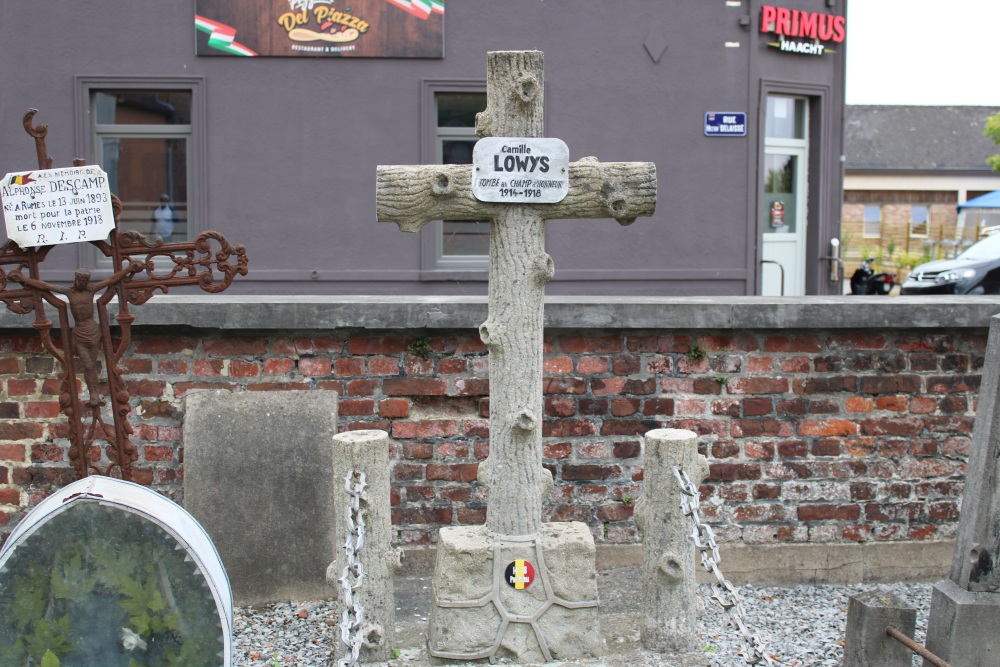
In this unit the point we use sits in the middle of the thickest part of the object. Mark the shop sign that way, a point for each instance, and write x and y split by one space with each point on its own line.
802 32
521 170
318 28
725 124
53 206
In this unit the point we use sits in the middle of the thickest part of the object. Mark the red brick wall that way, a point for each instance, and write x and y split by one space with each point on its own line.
812 436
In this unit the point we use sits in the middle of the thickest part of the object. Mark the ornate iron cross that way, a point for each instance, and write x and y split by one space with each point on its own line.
142 266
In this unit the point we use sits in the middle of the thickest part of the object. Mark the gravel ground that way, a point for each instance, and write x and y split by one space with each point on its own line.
302 634
802 626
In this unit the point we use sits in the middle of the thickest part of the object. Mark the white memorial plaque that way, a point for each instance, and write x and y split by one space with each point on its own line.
51 206
520 170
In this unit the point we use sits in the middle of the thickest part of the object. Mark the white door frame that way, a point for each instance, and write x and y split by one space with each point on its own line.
787 249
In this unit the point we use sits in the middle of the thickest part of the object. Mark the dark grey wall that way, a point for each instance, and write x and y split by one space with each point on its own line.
292 143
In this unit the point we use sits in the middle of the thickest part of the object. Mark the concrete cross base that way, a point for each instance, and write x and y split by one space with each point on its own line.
964 627
549 612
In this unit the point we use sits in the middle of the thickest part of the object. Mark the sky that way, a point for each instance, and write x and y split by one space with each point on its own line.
923 52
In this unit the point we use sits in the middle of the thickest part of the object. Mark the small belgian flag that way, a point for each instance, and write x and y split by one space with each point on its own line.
20 179
519 574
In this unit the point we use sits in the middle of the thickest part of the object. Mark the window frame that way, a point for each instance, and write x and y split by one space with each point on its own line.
864 221
799 120
434 265
926 223
89 135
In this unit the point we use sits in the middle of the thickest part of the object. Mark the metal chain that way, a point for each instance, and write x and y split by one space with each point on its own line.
723 592
353 618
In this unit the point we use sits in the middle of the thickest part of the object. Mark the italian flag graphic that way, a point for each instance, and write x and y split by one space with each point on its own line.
222 37
420 8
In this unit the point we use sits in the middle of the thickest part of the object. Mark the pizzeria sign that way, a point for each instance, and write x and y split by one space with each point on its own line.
320 28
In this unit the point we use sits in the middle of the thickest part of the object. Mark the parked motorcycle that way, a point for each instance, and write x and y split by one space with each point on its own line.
866 281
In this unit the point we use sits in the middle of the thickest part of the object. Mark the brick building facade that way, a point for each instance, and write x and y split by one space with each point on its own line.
668 68
907 169
895 229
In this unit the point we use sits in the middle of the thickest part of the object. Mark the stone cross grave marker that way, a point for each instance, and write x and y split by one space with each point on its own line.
519 268
509 188
964 623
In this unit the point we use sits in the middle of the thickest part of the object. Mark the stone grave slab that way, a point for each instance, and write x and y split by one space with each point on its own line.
106 572
258 475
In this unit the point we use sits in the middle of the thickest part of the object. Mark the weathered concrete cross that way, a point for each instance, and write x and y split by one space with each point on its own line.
963 626
519 268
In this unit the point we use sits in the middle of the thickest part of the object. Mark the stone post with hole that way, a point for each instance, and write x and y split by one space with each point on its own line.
515 589
866 643
365 452
669 599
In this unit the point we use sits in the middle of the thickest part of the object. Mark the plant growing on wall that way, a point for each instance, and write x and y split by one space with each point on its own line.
908 260
96 585
890 250
874 252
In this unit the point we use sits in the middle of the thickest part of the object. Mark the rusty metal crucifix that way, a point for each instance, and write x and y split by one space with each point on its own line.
141 267
527 175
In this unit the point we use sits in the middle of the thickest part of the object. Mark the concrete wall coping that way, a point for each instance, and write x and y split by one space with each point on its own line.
297 312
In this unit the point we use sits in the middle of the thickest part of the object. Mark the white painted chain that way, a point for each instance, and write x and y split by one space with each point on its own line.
353 618
723 592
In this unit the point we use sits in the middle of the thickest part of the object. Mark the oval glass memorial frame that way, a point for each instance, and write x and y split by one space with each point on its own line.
155 509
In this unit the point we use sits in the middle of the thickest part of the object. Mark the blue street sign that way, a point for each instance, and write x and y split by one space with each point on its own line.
725 124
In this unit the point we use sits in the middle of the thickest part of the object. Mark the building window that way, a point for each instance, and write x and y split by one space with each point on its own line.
873 221
786 118
147 136
919 221
141 139
461 244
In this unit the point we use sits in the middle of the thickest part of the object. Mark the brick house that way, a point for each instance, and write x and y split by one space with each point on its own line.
907 169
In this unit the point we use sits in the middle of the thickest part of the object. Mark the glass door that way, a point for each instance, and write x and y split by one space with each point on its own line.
784 198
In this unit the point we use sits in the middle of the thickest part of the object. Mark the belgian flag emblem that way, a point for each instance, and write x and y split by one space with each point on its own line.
519 574
21 179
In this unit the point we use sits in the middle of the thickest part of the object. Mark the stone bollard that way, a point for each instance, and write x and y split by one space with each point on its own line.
866 643
670 603
366 452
